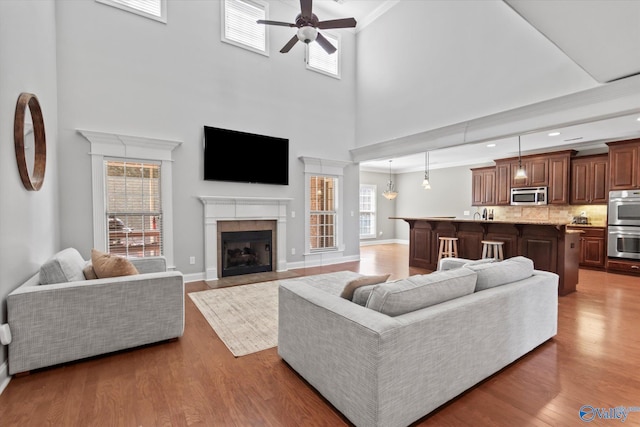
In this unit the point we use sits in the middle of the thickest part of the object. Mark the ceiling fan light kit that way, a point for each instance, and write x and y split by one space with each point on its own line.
308 25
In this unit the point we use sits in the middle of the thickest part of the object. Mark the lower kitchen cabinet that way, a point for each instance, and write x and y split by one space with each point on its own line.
592 247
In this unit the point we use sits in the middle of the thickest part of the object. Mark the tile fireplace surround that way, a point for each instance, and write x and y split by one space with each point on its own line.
224 208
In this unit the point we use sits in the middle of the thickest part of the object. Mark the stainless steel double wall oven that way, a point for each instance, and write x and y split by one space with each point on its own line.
624 224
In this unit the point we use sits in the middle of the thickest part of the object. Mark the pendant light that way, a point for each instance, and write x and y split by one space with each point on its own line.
520 173
425 183
390 193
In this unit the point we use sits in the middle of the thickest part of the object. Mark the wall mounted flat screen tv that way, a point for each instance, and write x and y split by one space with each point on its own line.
245 157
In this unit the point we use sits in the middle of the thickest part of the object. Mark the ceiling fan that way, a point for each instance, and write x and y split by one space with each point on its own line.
308 25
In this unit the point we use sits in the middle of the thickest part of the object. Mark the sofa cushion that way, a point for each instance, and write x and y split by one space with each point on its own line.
501 273
88 271
361 294
65 266
416 292
110 265
354 284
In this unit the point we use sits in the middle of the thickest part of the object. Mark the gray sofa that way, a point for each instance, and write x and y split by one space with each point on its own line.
61 322
391 370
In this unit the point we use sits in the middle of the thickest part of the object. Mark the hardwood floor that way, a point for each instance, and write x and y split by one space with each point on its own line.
195 380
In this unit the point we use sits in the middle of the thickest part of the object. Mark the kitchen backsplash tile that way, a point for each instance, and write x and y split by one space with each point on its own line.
597 214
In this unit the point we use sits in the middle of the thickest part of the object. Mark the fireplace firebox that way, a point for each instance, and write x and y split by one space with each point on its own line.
245 252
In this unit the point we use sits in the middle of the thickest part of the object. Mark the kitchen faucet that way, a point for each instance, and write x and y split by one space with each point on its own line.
477 213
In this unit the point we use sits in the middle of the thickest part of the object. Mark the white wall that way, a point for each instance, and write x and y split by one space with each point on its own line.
29 231
125 74
427 64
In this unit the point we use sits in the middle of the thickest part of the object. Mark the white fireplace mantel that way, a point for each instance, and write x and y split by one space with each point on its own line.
227 208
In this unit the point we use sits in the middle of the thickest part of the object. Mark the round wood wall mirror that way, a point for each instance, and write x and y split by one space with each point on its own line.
30 142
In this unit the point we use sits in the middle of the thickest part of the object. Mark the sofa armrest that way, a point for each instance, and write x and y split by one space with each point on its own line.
335 345
52 324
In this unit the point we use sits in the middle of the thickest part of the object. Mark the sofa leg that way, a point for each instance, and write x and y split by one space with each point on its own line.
22 374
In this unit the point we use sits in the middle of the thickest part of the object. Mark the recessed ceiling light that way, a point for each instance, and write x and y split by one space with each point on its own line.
491 145
638 119
554 134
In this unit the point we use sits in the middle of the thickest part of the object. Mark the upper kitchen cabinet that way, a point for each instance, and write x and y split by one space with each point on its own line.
559 164
589 179
537 168
624 170
483 186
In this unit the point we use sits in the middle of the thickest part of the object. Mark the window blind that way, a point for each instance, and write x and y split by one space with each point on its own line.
240 25
133 208
367 211
153 9
323 228
320 60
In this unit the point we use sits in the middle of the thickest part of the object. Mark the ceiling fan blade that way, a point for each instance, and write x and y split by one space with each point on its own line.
282 24
337 23
287 47
305 8
325 44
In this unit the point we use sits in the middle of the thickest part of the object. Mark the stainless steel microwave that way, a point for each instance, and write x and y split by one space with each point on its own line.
534 196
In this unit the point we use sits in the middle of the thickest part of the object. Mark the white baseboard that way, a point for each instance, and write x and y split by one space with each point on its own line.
383 242
322 262
4 376
194 277
310 262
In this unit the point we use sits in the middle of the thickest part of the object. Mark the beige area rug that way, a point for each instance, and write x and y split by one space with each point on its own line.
245 317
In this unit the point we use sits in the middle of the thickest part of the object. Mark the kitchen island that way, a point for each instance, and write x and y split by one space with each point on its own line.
552 246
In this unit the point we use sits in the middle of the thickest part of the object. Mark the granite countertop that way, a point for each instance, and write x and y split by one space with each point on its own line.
587 225
482 221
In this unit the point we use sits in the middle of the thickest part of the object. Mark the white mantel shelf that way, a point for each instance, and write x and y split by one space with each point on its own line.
230 208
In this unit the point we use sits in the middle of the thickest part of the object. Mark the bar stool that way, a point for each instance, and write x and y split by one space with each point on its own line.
448 247
492 249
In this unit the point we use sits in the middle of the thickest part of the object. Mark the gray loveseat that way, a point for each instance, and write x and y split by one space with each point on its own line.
390 370
62 322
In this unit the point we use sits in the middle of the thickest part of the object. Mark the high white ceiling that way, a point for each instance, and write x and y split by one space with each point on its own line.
602 37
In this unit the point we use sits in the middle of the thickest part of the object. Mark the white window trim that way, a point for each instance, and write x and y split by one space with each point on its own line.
110 145
224 38
163 10
374 189
338 52
323 167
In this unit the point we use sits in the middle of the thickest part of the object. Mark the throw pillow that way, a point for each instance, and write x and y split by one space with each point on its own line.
354 284
110 265
416 292
65 266
503 272
88 272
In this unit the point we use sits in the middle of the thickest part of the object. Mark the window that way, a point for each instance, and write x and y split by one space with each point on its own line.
239 25
150 222
367 211
319 60
322 221
133 212
152 9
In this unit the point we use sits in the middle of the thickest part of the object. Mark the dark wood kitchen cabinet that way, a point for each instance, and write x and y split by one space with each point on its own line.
589 180
483 186
592 246
624 167
537 168
559 164
503 183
